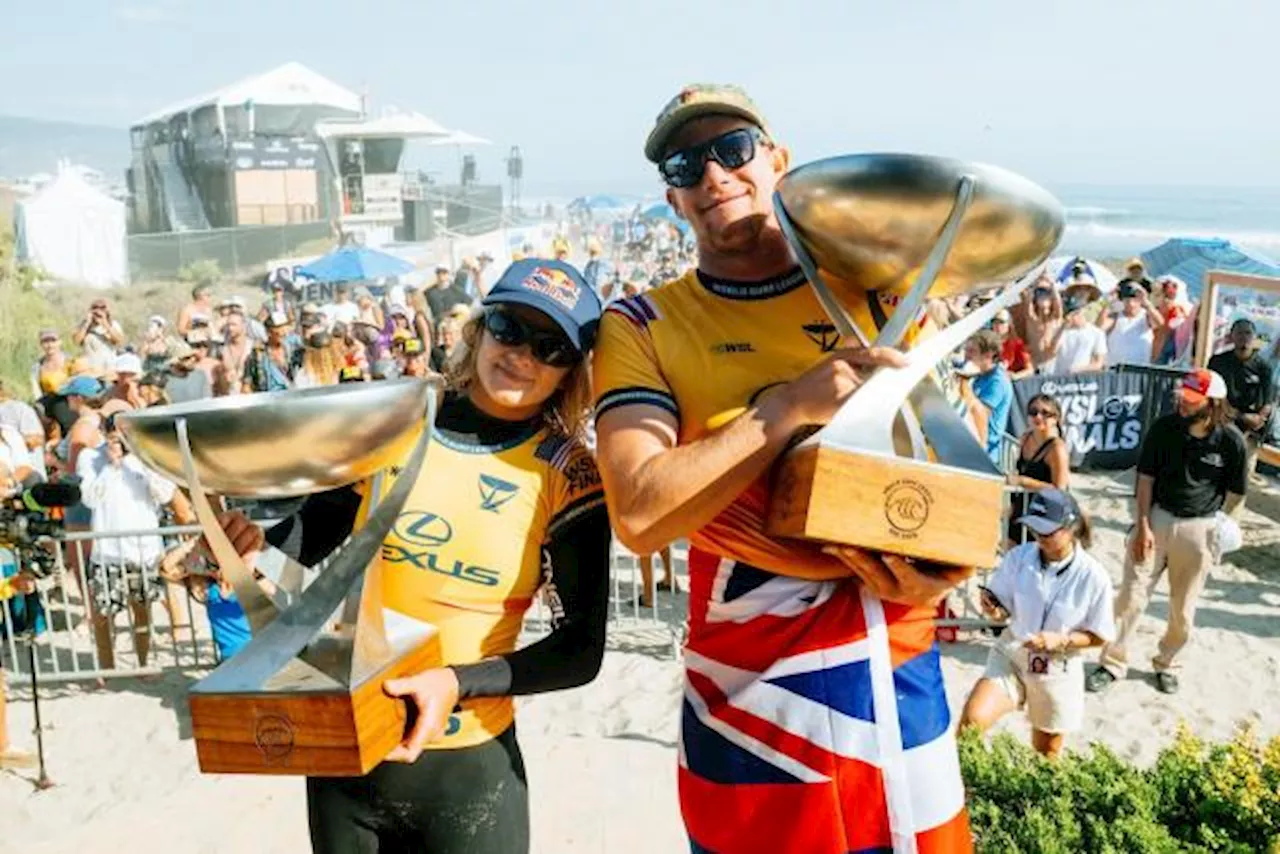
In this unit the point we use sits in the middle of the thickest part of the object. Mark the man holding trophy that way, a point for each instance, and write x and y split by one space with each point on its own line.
701 385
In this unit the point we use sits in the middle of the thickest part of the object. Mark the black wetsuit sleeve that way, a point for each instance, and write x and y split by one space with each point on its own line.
323 523
578 597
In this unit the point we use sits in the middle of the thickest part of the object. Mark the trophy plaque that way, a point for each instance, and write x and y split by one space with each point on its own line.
898 470
304 696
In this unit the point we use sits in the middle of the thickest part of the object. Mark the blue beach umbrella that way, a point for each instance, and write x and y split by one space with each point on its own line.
355 264
1190 258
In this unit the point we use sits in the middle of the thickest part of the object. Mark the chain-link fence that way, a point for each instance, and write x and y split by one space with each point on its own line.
236 250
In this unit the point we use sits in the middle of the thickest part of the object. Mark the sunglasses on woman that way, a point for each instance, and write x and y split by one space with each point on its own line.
1036 410
550 348
733 150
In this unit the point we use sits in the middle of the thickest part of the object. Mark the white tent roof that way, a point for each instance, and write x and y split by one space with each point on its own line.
391 124
73 231
292 84
461 137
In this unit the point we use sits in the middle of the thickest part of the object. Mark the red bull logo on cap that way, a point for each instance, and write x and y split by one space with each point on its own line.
553 283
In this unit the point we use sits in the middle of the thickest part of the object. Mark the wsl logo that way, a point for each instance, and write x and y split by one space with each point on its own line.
494 492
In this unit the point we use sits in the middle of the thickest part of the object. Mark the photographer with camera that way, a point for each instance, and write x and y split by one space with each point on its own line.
99 335
123 495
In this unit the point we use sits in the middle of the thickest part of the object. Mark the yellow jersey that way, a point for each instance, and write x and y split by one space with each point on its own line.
475 542
699 347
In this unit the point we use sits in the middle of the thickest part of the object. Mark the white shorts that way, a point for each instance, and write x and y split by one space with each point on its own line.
1054 700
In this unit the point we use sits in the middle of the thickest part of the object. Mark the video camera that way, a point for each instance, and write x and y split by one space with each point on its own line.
28 527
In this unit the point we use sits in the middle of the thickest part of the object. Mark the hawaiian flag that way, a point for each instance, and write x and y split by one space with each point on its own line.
814 721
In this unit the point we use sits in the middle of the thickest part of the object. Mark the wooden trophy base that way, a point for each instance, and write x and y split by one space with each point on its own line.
314 728
888 504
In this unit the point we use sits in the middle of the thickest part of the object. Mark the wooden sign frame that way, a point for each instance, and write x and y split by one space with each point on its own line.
1213 279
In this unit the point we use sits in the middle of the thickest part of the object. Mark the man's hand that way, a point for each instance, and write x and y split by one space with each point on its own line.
434 693
1143 542
815 396
896 579
1253 420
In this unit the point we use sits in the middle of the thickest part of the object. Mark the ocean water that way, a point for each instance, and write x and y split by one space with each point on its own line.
1118 221
1109 222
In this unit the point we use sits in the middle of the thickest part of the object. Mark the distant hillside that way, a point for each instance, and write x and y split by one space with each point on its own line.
28 146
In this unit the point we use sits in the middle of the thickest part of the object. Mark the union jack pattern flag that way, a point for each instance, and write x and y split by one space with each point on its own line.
815 720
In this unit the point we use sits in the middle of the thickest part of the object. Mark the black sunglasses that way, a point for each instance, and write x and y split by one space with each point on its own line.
733 150
1047 413
550 348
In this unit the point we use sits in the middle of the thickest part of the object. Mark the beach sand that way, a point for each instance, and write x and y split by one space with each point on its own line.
601 759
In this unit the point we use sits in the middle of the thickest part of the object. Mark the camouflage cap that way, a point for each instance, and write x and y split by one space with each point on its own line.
697 100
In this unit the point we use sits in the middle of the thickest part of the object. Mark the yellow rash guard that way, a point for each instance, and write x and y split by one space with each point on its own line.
500 512
706 349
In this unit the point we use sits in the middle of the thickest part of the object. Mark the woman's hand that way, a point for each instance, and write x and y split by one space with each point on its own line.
434 693
896 579
244 535
1047 642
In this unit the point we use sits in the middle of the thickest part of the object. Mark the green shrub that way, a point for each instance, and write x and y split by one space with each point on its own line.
202 272
1196 798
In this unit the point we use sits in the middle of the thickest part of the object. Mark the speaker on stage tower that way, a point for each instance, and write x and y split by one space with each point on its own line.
468 169
515 163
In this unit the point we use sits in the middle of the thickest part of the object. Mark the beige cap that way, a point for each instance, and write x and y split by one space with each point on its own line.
695 101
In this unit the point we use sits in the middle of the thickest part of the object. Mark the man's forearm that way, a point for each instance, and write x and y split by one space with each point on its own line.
1146 489
682 489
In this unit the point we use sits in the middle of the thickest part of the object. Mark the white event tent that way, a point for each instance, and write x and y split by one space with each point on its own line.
73 232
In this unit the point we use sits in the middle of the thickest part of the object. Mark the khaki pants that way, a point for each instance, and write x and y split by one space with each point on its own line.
1252 444
1187 549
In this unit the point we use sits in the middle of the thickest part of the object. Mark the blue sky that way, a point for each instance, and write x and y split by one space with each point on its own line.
1118 92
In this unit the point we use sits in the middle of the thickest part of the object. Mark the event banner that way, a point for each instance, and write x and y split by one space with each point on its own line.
1105 414
274 153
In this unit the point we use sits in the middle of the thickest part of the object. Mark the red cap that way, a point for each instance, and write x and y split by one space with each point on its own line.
1202 384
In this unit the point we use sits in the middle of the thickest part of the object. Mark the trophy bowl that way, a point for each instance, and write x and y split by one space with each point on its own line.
871 220
284 443
304 696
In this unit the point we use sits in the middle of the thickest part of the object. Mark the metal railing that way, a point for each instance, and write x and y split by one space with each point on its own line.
97 618
106 615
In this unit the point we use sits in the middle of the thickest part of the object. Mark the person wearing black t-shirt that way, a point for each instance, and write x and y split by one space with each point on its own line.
1249 386
1191 466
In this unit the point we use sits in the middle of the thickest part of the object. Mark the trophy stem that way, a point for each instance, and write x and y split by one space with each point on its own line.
895 330
258 607
865 421
298 626
843 322
908 438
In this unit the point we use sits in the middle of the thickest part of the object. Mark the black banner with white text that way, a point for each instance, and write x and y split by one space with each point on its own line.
1105 414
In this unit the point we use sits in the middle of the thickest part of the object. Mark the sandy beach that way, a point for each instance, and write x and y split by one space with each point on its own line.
601 759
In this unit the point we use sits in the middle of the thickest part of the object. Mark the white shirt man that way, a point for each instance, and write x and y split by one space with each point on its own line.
1079 345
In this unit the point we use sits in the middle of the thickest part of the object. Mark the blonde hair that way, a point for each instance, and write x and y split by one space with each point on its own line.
323 364
565 412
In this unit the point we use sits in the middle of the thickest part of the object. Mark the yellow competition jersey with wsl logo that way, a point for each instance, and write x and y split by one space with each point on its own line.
699 347
466 552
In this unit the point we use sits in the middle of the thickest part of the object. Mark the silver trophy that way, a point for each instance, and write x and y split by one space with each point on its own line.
898 469
304 696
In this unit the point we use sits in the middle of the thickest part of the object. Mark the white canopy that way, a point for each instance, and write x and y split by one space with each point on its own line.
460 137
395 124
292 84
73 232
